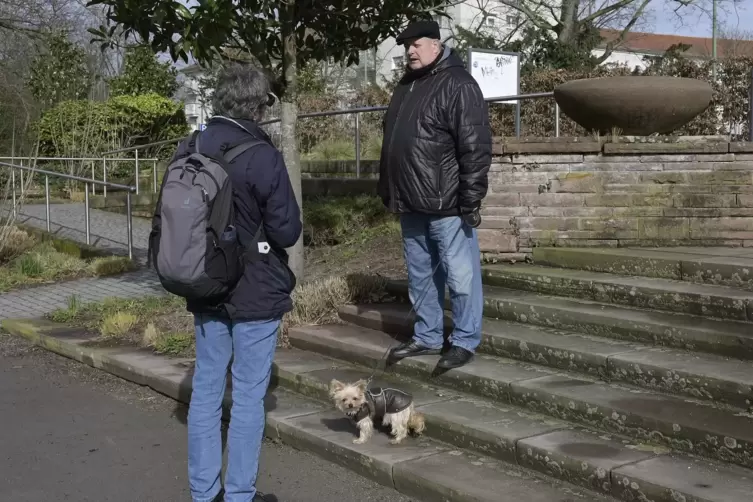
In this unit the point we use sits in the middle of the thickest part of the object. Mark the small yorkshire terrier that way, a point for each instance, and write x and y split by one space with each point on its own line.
367 406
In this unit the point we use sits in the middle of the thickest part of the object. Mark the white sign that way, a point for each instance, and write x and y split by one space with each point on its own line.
202 127
497 73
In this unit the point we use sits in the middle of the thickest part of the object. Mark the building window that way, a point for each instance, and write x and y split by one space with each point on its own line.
513 19
489 21
398 62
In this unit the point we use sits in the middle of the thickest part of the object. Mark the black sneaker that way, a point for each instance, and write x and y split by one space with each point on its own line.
455 358
259 498
412 349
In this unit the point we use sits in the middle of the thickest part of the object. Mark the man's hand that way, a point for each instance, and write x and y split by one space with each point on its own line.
472 219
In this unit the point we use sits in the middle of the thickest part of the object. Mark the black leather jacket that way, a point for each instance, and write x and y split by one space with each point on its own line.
437 145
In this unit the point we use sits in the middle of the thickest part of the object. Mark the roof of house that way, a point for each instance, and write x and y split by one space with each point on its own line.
656 43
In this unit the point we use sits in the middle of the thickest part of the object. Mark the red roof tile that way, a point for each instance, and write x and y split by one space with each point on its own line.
655 43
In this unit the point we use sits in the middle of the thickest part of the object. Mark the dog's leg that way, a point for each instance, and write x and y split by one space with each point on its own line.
365 428
399 424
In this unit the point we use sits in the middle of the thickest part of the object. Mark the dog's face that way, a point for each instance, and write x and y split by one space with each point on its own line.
348 398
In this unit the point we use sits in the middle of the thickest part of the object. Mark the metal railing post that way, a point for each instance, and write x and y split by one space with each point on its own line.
94 176
129 224
136 152
154 174
21 163
517 119
358 145
86 214
13 184
556 120
47 200
104 176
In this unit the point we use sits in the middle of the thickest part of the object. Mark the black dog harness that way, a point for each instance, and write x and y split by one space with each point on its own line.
380 402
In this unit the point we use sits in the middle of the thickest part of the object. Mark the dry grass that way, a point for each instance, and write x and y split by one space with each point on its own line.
26 260
117 325
14 242
317 302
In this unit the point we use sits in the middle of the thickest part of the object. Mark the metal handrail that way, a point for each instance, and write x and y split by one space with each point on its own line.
82 159
331 113
87 181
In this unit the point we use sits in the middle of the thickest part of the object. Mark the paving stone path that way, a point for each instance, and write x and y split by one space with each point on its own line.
108 231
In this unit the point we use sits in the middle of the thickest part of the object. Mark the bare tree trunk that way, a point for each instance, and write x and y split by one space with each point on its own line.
288 117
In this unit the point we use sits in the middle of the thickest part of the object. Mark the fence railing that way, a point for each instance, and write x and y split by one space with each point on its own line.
93 160
356 112
48 174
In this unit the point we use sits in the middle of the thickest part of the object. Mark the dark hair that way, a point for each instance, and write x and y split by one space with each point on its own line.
242 92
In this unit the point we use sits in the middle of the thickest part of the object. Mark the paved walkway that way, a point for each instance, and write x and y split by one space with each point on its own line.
108 231
74 433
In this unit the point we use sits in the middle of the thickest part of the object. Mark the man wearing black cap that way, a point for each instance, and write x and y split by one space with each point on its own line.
433 172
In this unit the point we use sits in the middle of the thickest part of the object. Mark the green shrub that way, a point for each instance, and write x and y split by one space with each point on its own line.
87 128
335 220
111 265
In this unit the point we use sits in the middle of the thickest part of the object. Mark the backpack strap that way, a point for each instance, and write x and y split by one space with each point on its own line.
233 153
193 142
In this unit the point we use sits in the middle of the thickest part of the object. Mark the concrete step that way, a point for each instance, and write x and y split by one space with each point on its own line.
644 292
424 469
665 329
680 423
720 266
584 456
697 375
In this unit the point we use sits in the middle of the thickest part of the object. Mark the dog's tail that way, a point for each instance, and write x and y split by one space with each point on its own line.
416 422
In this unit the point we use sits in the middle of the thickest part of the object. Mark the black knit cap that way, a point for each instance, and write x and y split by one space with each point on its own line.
419 29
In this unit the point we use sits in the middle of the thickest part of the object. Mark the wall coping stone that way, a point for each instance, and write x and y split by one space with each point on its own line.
504 146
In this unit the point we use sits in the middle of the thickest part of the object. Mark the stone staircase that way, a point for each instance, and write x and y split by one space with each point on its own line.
603 374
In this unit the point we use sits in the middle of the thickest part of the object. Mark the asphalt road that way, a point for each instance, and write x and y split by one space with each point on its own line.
70 432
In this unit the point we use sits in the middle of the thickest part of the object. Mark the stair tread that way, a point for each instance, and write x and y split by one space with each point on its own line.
683 412
628 314
736 256
425 468
568 342
654 283
596 453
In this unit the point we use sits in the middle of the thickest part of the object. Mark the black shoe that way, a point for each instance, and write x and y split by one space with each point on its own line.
412 349
259 498
455 358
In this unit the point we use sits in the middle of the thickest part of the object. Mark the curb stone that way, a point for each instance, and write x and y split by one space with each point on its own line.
422 468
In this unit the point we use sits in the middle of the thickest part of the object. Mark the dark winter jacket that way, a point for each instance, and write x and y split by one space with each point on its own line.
380 401
437 144
262 193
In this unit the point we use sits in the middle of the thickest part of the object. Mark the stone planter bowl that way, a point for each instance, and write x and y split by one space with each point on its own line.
638 106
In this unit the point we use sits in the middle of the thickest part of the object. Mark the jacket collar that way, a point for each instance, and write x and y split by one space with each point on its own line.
249 126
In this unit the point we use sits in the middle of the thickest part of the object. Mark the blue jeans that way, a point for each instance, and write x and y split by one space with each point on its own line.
251 344
451 246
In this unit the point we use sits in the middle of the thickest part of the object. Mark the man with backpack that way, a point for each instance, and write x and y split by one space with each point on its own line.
225 214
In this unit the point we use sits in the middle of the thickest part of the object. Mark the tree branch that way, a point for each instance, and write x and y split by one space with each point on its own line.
611 44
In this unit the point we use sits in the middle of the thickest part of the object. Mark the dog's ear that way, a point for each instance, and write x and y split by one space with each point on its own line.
335 386
362 384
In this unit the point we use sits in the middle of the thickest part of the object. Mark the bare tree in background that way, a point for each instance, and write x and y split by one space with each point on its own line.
567 20
734 42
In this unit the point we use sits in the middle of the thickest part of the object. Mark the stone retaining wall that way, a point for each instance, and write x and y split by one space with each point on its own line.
585 192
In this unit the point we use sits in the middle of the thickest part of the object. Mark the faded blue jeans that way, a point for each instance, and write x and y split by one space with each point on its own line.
451 243
251 344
